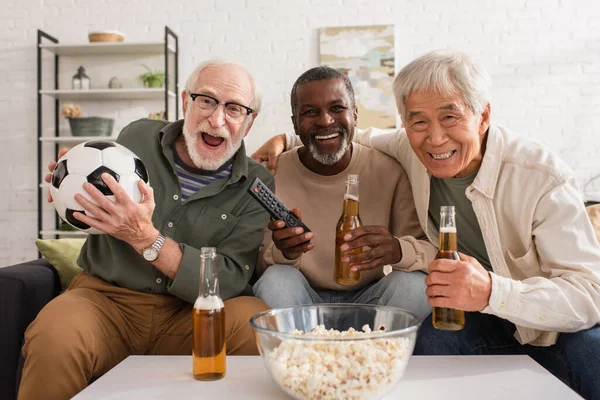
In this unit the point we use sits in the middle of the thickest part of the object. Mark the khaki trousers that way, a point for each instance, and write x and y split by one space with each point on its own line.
94 325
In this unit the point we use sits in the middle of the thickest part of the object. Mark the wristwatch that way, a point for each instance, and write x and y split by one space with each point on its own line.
151 253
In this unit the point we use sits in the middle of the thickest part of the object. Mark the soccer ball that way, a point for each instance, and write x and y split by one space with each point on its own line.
86 162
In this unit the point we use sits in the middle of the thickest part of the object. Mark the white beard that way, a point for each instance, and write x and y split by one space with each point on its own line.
328 159
210 162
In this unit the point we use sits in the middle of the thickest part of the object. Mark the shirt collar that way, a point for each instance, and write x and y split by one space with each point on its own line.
171 132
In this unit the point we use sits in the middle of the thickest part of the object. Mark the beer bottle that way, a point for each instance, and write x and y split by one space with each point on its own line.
448 319
348 221
209 321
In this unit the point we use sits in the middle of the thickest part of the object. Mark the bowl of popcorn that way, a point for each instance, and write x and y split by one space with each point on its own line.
336 351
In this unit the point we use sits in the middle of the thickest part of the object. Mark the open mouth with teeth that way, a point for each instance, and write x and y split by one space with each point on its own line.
212 141
442 156
327 138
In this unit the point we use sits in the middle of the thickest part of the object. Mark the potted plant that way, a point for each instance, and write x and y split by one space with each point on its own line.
86 126
152 78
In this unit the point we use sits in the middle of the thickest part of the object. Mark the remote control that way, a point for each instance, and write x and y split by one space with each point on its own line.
273 205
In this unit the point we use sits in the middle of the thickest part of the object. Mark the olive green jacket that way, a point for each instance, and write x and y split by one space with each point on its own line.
221 215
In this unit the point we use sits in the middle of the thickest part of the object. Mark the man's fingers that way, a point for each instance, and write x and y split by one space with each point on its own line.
118 191
62 152
102 201
286 233
52 165
437 278
365 230
293 241
90 208
146 191
367 255
443 265
368 266
363 241
276 224
437 291
92 222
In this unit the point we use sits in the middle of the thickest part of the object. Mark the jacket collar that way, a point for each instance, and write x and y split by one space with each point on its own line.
487 177
172 131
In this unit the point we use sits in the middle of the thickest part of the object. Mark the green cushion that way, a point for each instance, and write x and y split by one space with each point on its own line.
62 254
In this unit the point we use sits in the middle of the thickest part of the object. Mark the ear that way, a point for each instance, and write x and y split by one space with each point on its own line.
184 101
295 123
485 120
355 116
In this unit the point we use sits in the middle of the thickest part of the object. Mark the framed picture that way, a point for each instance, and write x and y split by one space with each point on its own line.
366 55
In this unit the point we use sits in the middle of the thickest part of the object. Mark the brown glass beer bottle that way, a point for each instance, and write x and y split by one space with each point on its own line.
448 319
347 222
209 322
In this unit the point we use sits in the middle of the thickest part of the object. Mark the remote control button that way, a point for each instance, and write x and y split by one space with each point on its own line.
291 220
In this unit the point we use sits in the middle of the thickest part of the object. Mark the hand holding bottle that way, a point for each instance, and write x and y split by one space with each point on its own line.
292 242
379 247
460 284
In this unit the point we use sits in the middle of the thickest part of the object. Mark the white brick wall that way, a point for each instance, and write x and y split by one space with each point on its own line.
543 55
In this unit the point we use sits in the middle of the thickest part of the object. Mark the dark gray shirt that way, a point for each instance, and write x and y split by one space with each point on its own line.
451 192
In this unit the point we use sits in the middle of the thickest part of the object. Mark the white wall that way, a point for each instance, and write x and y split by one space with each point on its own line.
543 55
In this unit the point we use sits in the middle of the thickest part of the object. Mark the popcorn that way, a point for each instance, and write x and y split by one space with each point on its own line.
339 369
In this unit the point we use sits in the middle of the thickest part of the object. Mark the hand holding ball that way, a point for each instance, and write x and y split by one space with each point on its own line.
87 162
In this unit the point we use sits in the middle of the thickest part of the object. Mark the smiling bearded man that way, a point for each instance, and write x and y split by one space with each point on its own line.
312 177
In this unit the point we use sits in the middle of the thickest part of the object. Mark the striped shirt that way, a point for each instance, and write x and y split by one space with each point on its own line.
192 179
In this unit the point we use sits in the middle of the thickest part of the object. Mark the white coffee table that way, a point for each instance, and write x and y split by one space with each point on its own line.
433 377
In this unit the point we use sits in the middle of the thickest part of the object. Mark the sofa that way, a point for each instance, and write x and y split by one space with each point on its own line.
24 289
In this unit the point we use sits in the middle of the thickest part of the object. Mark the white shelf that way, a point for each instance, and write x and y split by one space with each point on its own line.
63 233
107 48
75 139
107 94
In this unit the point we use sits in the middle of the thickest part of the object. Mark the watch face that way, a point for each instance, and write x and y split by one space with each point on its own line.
150 254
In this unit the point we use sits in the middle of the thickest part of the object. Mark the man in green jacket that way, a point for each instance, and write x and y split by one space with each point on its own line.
131 298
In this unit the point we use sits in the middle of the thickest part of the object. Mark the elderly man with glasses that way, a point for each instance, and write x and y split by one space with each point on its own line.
141 277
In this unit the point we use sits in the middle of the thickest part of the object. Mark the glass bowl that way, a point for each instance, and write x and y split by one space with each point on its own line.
364 362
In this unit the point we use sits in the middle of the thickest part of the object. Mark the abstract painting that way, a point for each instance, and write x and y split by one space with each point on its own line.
366 55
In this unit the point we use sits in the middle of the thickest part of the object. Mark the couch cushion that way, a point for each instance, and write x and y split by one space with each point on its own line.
594 214
62 254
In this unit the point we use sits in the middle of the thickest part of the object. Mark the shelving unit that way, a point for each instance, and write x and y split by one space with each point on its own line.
107 94
168 48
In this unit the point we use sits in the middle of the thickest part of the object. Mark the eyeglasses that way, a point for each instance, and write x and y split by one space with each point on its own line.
207 105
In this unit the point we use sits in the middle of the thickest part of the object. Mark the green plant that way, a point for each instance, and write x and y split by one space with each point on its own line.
152 78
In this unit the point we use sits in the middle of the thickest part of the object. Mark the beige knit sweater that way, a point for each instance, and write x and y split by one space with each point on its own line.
385 199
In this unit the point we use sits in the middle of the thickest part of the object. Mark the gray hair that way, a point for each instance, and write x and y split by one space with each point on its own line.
447 72
318 74
255 103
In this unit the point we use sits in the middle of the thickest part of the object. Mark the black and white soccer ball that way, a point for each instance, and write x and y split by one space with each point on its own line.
86 162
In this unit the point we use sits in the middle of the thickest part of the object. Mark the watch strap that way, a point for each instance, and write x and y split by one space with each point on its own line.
158 243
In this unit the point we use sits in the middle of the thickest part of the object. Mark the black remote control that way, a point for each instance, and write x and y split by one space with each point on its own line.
273 205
